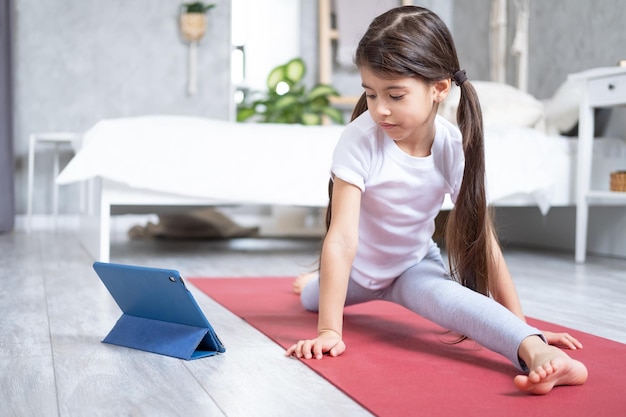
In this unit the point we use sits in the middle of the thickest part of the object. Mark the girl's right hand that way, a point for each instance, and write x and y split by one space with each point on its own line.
562 340
327 342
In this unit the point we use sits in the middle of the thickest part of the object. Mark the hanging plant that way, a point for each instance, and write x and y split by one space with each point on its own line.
197 7
287 100
193 20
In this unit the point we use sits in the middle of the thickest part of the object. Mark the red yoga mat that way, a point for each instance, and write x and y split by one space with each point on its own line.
399 364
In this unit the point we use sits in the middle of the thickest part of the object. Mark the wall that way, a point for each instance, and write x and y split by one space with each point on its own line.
77 62
565 36
7 206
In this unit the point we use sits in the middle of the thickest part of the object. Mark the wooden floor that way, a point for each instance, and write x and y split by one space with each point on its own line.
54 311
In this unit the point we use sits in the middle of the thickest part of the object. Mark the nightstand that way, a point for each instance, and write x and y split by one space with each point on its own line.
601 87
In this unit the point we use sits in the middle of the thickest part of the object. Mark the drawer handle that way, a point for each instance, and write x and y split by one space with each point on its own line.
611 87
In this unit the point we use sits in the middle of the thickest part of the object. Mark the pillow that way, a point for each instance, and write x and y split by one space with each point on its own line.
501 104
561 111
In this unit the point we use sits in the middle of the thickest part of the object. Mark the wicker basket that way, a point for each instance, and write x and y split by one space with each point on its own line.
618 181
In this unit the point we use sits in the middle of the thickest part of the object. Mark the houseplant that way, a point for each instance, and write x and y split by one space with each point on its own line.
193 26
198 7
193 19
287 100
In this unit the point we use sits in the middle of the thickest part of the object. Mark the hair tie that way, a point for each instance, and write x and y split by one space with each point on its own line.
459 77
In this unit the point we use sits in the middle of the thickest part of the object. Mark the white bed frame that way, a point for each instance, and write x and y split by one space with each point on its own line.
105 198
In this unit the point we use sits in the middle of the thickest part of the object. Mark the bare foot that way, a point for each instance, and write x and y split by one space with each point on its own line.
549 367
300 282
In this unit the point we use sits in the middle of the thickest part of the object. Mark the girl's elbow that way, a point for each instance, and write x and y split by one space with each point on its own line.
345 248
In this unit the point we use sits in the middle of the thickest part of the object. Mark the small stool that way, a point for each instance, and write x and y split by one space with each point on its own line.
57 138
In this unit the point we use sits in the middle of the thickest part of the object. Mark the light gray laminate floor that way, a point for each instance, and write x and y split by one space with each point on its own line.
54 312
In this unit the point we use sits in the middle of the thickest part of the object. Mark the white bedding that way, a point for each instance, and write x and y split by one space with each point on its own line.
277 164
210 159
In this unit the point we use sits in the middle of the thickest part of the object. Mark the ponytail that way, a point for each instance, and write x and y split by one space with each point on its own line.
469 227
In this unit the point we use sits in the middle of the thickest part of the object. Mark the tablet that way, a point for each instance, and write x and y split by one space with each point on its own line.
160 314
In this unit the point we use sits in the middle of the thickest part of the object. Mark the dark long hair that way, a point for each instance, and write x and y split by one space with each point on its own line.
411 41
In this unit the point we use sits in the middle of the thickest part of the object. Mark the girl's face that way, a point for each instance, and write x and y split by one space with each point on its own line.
405 109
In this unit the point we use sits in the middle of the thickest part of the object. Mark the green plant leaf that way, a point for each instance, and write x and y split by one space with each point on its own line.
275 76
321 90
334 114
294 70
197 7
318 104
285 101
298 105
244 113
310 119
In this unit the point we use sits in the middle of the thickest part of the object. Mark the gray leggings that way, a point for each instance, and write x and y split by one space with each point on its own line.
427 290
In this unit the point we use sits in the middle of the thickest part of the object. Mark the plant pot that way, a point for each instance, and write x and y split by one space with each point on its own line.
193 26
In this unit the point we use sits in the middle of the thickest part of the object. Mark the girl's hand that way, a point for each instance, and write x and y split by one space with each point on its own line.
562 340
326 342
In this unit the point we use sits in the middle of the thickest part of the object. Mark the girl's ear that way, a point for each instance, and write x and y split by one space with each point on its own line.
441 89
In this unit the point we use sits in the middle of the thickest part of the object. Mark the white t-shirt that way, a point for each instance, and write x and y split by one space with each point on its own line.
401 196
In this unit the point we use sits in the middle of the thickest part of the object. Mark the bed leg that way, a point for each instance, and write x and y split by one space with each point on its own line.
95 222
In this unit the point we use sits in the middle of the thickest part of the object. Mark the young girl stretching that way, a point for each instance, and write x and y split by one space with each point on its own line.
391 169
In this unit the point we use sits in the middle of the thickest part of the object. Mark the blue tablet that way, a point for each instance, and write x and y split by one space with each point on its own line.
160 314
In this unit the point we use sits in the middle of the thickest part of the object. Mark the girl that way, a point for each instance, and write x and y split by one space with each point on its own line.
391 169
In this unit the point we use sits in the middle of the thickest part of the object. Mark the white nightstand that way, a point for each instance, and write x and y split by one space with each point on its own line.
602 87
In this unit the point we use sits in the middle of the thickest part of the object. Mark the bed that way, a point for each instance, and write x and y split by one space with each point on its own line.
158 164
154 163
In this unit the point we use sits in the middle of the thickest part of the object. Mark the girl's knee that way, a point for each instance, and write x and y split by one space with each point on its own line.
310 296
309 303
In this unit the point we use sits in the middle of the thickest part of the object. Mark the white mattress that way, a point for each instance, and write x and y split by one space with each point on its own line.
210 159
280 164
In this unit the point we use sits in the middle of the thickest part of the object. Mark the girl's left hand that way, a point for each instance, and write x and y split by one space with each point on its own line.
562 340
